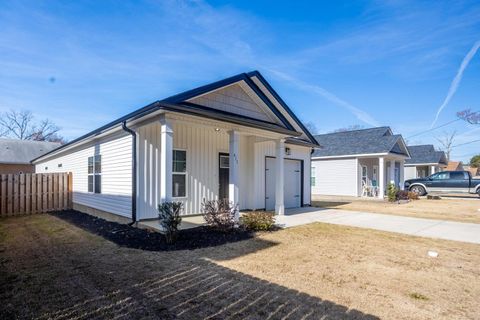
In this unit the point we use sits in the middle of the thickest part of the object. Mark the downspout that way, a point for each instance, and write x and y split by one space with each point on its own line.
134 171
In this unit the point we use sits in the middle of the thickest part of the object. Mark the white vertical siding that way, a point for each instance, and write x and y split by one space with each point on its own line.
335 177
116 152
203 145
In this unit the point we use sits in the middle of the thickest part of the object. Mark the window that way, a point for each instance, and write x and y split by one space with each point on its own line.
95 174
440 176
459 175
312 176
364 174
224 162
179 174
60 165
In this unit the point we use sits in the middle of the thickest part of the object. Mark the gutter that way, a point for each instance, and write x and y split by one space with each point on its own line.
134 171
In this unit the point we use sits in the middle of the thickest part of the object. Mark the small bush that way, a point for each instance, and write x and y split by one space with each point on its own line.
402 195
169 216
219 214
418 296
258 221
413 195
391 192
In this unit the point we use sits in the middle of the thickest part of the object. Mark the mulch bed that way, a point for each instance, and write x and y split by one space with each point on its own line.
132 237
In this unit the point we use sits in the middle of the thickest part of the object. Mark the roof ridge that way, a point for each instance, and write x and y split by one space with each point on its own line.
348 131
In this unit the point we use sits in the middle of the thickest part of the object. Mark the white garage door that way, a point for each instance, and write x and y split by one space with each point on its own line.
292 183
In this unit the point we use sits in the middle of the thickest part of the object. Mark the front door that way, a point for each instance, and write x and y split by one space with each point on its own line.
223 175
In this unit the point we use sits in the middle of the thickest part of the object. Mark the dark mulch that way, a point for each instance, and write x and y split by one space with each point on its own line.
131 237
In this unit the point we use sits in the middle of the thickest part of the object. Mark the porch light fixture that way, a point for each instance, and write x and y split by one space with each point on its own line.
217 129
288 151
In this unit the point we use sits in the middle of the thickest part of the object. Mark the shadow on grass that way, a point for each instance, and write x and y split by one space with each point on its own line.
204 290
157 283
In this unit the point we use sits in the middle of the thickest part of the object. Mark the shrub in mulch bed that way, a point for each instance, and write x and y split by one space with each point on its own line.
131 237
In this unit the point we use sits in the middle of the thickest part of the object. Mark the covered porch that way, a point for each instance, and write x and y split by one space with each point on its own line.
192 159
376 173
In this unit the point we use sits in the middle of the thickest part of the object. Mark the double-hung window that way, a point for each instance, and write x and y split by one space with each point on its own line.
95 174
312 176
179 174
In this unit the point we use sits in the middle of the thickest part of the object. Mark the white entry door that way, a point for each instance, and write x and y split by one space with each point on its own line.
292 183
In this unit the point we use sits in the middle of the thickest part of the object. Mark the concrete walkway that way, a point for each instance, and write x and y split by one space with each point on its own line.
441 229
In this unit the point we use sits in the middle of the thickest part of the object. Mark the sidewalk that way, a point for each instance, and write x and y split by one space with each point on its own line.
441 229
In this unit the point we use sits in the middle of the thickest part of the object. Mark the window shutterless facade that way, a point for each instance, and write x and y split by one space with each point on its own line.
312 176
179 174
95 174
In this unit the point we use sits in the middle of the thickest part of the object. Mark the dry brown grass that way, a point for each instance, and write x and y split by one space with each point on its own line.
461 210
380 273
52 269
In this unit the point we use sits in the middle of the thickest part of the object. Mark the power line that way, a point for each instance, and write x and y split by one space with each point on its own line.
438 127
462 144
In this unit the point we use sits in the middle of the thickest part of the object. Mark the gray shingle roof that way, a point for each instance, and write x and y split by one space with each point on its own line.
13 151
365 141
425 154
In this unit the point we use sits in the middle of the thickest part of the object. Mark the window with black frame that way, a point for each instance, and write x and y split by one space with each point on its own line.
95 174
179 174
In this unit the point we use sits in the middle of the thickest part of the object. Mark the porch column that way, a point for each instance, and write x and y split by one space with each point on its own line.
432 169
381 177
233 172
402 174
391 172
279 179
166 160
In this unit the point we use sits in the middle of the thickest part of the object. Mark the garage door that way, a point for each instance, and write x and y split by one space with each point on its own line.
292 183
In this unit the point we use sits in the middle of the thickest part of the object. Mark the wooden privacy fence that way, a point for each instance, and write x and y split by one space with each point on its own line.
34 193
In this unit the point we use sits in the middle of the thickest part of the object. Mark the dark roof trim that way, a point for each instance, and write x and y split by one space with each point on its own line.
129 117
186 108
300 142
283 104
181 97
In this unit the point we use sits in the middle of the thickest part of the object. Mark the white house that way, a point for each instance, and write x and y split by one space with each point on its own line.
424 161
235 139
358 163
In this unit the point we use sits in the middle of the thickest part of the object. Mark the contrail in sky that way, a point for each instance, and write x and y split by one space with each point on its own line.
360 114
456 81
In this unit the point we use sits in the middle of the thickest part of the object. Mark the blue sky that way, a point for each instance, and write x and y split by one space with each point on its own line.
335 63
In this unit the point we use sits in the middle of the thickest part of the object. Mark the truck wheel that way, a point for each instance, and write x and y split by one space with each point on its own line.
478 192
418 190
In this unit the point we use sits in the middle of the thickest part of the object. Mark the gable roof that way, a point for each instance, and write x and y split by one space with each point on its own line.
423 154
454 166
14 151
378 140
179 103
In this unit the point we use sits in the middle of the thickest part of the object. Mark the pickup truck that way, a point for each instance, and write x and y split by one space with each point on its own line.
445 182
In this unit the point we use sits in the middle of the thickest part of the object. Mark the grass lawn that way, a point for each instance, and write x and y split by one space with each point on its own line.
50 268
454 209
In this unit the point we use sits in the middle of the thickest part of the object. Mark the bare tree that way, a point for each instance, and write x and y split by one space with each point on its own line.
446 142
22 125
350 128
311 127
469 116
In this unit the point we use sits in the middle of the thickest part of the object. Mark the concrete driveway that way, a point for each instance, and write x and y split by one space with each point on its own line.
441 229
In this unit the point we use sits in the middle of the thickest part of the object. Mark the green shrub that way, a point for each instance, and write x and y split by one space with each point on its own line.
391 192
219 214
258 221
169 216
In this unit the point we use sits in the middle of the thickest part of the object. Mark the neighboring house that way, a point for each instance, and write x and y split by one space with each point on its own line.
474 171
358 163
424 161
234 139
454 166
15 155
